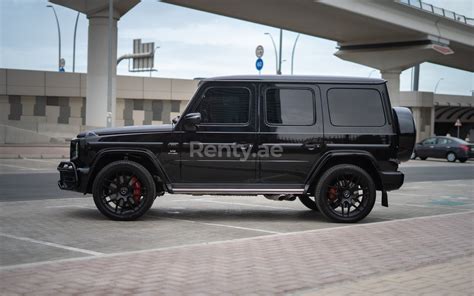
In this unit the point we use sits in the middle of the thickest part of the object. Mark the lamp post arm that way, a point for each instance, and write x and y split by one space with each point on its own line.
276 52
74 45
59 35
293 53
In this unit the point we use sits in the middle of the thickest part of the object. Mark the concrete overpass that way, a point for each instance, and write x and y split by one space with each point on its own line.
389 35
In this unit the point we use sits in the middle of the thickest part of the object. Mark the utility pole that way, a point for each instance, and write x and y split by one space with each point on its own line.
279 56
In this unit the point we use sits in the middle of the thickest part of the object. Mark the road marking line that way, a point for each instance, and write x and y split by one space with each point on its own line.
27 265
44 160
218 225
49 244
243 204
429 207
19 167
70 206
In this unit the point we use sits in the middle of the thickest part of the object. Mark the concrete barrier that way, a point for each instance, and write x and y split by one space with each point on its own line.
14 135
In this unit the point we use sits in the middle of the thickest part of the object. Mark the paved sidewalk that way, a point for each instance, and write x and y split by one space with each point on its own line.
453 278
294 263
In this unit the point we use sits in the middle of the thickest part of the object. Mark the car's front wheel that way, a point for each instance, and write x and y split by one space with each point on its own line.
124 190
345 193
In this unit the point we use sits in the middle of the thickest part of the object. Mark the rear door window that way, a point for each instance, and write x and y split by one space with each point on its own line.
289 106
359 107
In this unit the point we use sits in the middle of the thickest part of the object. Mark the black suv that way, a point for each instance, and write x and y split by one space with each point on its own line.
329 141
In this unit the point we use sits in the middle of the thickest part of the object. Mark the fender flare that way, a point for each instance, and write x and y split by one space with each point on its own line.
330 155
124 152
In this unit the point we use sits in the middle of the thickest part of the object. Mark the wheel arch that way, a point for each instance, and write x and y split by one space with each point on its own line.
362 159
142 156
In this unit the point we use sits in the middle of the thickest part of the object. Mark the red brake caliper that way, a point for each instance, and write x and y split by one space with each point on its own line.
137 189
332 193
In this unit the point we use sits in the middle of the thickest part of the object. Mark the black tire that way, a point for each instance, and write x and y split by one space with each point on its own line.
309 202
463 160
345 185
451 157
124 190
423 158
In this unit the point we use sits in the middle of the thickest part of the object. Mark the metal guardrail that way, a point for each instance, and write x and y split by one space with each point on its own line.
438 11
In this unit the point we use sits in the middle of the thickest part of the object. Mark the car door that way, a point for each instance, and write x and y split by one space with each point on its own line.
427 148
442 147
220 150
290 137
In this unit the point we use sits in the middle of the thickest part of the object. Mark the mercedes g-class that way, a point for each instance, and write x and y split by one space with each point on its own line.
331 142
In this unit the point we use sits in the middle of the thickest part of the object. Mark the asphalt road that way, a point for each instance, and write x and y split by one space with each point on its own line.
20 184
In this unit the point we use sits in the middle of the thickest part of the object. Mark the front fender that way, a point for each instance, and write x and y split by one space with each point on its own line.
123 153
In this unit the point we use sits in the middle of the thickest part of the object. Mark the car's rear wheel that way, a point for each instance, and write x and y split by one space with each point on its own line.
309 202
124 190
451 157
345 193
423 158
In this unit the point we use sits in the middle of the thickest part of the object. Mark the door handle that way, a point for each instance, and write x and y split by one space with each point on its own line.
311 146
244 146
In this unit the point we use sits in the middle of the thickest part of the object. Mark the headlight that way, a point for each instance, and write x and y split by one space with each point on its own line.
74 153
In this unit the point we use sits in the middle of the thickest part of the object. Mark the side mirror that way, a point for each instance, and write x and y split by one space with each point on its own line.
190 121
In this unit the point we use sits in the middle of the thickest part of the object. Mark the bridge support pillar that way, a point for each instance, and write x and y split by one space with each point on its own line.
393 85
97 69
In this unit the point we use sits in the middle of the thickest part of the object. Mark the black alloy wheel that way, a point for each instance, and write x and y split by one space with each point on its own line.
345 193
124 190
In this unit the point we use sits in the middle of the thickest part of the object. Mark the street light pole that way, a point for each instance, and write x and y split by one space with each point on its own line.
279 56
372 72
437 83
293 52
59 34
276 53
74 45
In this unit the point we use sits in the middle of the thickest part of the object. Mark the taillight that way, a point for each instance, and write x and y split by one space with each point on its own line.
465 148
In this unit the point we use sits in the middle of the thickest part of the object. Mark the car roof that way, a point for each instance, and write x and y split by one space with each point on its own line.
450 138
298 78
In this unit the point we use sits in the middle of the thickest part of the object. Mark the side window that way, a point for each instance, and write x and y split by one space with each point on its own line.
443 141
289 106
225 105
430 141
355 107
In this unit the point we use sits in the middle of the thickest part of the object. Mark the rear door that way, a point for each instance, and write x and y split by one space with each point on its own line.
442 147
290 136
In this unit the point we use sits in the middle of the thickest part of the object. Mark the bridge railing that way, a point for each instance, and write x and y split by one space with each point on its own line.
438 11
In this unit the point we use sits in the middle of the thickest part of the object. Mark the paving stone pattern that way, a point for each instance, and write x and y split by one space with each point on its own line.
292 263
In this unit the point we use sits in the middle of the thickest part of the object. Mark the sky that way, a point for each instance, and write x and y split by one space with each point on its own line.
194 44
